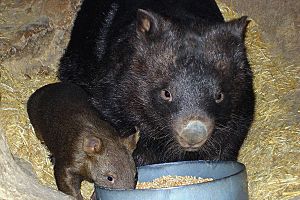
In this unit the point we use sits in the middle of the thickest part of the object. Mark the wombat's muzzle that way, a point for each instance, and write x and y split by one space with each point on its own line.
194 134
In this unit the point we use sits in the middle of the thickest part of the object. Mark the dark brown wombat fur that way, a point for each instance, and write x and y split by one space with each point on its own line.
83 146
174 69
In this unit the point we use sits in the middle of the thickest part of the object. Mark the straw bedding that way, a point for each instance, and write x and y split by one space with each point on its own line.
271 152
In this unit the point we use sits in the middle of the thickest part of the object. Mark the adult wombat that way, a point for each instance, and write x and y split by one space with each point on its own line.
174 69
83 146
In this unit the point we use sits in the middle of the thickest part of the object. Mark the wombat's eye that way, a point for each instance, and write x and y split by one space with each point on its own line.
219 97
110 179
166 95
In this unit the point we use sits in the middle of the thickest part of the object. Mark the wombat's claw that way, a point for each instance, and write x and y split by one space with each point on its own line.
52 159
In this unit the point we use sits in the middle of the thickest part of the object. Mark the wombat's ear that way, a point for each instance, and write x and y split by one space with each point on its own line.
239 26
131 141
92 145
147 22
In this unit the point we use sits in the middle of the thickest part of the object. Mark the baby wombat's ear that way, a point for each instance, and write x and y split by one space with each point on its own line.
131 141
238 27
92 144
147 22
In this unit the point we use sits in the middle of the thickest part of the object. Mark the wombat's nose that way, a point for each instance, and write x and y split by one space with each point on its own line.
193 135
194 130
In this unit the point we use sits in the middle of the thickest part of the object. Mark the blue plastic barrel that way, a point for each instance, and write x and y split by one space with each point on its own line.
230 182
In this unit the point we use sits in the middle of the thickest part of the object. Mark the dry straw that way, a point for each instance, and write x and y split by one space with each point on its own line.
271 153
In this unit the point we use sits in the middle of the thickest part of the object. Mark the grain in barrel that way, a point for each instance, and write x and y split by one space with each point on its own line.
171 181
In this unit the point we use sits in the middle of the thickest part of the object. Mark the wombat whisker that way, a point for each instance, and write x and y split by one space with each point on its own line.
172 149
159 134
223 129
217 147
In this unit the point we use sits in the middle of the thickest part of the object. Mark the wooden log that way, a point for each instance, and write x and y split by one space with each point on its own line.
17 183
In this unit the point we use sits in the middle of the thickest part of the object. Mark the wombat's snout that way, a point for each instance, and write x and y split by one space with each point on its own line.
194 133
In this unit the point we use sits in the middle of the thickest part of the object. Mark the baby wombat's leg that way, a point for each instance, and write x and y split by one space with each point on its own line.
67 181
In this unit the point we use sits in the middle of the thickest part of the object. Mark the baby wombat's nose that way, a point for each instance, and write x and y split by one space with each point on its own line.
193 134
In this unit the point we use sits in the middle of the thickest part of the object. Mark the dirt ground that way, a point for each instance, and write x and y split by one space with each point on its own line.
279 22
34 33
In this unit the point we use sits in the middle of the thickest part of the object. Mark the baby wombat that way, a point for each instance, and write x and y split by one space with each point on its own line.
83 146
